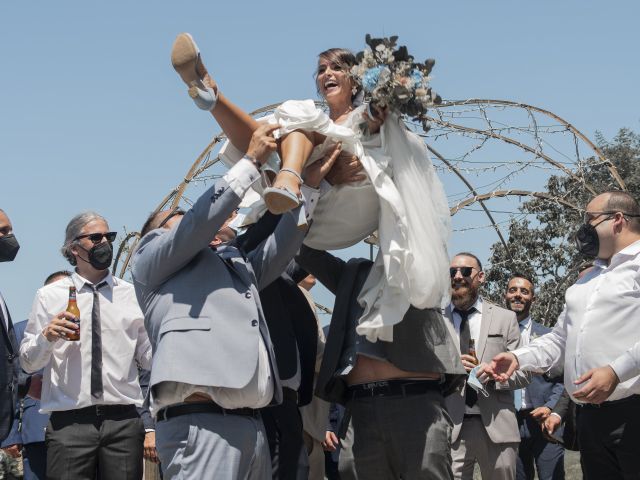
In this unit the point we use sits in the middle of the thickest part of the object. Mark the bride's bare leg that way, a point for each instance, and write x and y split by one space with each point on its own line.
295 150
237 125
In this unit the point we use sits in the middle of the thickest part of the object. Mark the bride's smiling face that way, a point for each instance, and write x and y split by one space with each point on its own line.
334 83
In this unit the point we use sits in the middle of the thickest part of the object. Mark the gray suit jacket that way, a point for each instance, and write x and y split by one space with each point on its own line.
499 332
202 308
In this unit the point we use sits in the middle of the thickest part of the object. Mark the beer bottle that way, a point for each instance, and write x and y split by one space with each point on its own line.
472 350
72 308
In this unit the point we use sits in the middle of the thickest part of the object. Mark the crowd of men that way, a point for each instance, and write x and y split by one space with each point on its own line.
203 362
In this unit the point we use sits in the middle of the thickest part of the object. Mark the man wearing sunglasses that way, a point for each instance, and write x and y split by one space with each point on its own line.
596 337
485 429
90 386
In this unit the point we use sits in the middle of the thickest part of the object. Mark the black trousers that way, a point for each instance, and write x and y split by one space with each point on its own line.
86 444
289 460
34 461
608 438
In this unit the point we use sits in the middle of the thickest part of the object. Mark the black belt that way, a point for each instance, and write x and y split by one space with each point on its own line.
389 388
99 410
205 407
612 403
471 415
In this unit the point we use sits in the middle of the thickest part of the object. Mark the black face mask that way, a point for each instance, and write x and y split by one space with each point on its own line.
9 247
587 239
100 255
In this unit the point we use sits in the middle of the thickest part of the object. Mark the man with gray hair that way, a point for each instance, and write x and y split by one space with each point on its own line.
90 386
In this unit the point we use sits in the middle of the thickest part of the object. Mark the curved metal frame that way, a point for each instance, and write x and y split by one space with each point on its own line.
198 167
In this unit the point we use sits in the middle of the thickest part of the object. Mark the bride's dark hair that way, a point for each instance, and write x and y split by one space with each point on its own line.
342 57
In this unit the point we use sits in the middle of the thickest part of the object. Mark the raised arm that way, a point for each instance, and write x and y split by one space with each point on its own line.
163 252
518 379
324 266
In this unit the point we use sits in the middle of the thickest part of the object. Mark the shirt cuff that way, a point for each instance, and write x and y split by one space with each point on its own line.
311 197
625 367
324 187
43 344
526 359
241 176
556 414
147 430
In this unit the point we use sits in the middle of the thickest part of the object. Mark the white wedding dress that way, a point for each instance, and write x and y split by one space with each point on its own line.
402 198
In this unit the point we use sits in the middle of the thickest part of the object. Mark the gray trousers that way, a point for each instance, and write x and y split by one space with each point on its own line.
346 464
212 446
84 446
406 438
497 461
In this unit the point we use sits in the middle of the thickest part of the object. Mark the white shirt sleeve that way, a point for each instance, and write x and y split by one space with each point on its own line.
311 196
241 176
627 365
35 349
545 352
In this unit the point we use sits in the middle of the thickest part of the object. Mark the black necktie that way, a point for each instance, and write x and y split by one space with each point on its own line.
96 344
471 397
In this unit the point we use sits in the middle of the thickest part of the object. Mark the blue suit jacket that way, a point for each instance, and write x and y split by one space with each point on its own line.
543 391
28 424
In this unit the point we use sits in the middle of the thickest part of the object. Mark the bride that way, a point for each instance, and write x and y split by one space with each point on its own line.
401 197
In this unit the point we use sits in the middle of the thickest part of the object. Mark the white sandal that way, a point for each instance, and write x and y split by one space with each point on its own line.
185 58
281 200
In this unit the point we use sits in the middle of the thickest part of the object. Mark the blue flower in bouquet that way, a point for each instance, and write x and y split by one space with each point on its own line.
371 77
417 78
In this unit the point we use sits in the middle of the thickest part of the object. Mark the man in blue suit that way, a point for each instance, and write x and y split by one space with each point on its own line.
27 431
535 402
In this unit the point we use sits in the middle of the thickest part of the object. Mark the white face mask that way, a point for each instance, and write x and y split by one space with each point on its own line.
474 383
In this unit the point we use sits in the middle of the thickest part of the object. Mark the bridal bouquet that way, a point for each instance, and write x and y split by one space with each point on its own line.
391 78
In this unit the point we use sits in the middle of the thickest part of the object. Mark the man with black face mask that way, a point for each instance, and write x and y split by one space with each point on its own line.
597 337
90 386
11 379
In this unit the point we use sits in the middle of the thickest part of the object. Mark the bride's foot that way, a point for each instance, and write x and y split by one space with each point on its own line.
285 194
186 60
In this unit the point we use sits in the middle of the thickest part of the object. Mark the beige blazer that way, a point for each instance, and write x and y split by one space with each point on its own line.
499 332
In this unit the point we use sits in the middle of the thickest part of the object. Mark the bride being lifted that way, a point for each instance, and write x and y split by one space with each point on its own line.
401 197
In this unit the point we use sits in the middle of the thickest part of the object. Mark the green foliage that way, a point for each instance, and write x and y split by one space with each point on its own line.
544 248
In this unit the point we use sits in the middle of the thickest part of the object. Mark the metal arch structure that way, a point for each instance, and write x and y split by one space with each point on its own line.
438 118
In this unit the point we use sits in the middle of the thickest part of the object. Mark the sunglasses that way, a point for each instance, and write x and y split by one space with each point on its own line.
464 271
97 237
174 212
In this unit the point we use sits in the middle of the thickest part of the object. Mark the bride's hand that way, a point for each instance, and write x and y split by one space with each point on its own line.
315 172
347 169
379 115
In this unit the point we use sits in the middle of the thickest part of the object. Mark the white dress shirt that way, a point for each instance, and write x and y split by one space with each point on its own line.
475 321
67 365
259 391
599 326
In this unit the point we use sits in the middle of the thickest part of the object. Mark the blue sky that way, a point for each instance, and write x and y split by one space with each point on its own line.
94 117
